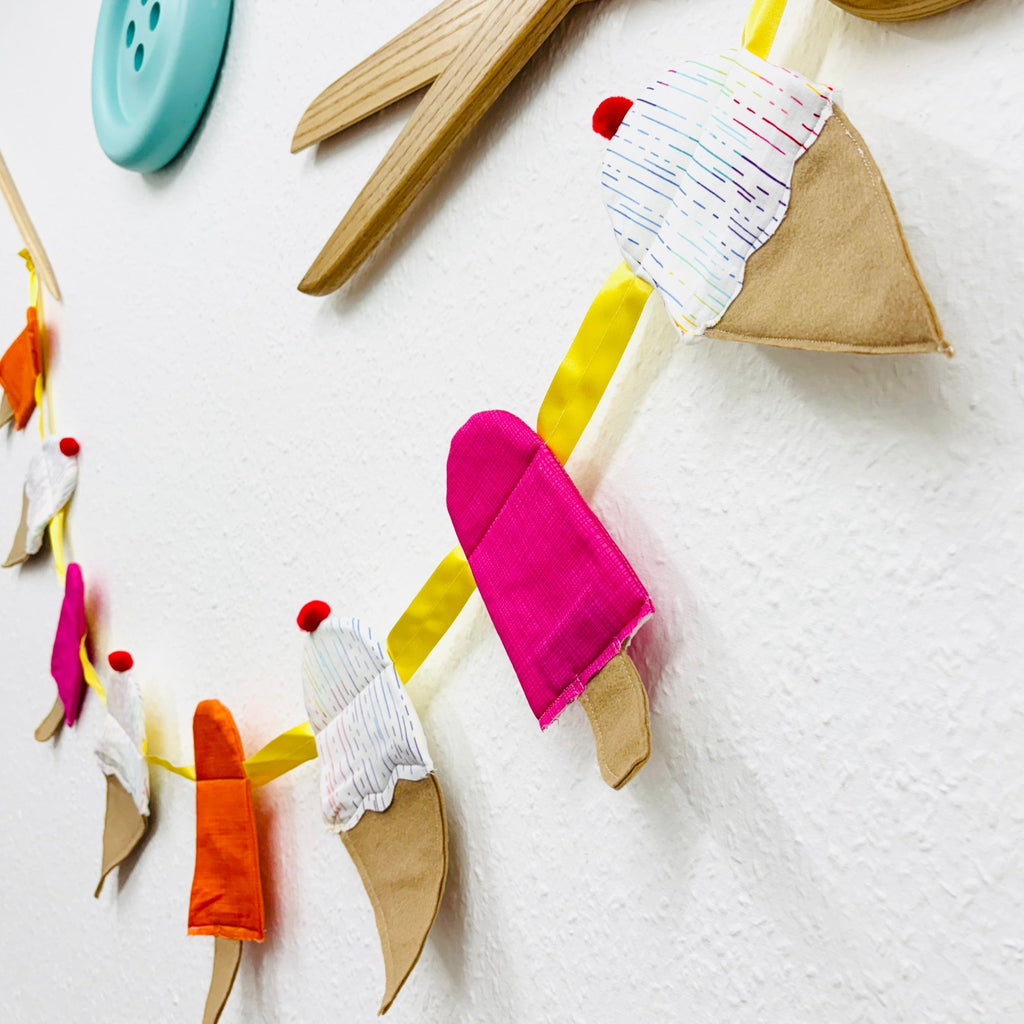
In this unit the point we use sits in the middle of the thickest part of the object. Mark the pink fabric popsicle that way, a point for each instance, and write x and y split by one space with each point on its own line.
562 596
65 663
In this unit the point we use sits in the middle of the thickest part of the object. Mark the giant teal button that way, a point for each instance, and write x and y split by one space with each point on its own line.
153 68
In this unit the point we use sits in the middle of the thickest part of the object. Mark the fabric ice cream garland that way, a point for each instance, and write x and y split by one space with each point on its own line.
559 657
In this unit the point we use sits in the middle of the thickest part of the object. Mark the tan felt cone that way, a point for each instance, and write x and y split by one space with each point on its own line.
227 953
837 274
51 723
123 827
896 10
18 553
402 857
616 704
6 412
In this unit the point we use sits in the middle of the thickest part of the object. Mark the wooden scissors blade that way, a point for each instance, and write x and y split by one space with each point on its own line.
413 59
27 230
493 55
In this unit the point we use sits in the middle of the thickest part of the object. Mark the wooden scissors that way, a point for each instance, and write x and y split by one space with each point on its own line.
470 50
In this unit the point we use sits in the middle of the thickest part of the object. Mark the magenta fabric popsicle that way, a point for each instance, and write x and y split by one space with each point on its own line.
562 596
66 663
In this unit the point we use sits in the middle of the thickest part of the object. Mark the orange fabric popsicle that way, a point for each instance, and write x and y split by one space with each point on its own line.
227 897
19 368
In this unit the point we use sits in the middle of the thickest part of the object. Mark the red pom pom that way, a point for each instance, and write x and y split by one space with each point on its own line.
69 446
312 615
609 115
120 661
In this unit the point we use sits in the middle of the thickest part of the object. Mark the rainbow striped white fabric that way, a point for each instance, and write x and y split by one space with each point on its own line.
697 177
49 484
123 737
368 735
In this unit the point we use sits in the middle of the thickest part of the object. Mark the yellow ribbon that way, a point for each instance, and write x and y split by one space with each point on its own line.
35 298
280 755
34 292
432 611
185 771
762 24
90 673
577 387
55 528
593 356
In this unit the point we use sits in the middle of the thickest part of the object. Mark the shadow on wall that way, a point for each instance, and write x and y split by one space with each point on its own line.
700 784
165 177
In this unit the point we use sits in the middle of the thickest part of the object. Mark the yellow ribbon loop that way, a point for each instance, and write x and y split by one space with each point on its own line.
33 279
279 756
593 356
432 611
574 394
90 673
762 24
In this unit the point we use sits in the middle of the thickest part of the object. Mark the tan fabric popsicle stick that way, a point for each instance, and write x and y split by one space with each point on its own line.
48 727
500 44
402 857
123 828
837 274
615 701
6 412
896 10
18 552
413 59
227 953
27 230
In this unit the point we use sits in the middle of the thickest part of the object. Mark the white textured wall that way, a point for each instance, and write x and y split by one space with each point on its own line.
830 826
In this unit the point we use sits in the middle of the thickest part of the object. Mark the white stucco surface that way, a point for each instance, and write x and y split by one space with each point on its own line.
831 824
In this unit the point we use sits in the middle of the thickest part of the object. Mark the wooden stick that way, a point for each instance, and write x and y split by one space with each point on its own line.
27 230
493 55
413 59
